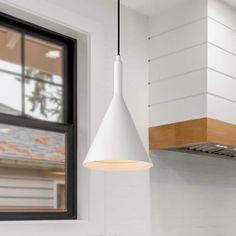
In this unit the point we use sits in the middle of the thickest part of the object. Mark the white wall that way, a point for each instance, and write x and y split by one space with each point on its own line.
193 195
116 203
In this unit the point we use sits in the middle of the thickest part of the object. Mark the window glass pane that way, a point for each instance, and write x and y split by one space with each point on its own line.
10 50
32 169
43 100
10 94
43 60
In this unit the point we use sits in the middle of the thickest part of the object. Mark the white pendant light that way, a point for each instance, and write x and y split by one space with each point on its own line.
117 145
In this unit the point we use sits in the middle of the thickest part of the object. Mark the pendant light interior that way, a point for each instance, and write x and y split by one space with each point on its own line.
118 165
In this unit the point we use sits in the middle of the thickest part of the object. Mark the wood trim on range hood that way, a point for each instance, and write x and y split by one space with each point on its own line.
192 132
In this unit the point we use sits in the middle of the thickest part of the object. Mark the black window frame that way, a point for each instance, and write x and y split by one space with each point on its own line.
68 126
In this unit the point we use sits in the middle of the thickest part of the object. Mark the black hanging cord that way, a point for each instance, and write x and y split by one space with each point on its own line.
118 28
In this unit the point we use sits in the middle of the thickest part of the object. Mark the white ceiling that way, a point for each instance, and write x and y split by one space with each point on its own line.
151 7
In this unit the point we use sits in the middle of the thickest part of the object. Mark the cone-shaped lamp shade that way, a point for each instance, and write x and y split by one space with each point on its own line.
117 145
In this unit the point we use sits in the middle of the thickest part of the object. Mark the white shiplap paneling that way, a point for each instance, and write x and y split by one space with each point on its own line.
221 35
177 59
178 63
221 85
178 39
221 100
221 109
181 86
221 60
178 110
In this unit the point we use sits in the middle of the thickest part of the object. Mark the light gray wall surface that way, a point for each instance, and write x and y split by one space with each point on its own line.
192 195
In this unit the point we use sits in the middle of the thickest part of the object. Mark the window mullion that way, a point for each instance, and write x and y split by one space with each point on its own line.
23 74
32 123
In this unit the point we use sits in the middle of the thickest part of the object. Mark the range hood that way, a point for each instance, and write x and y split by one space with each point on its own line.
200 136
192 80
